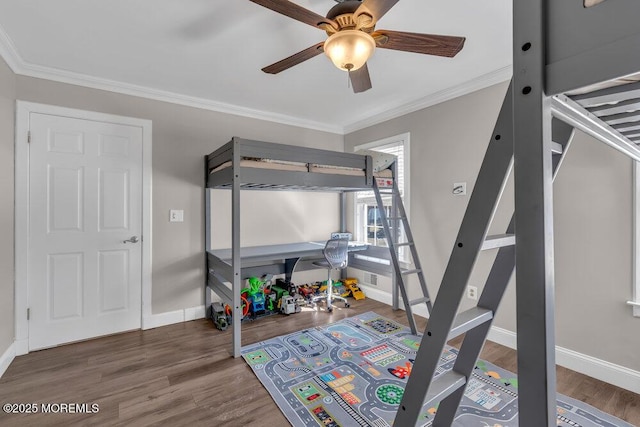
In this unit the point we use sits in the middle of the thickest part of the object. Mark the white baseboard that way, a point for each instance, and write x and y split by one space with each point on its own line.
6 358
602 370
385 297
171 317
503 336
194 313
21 347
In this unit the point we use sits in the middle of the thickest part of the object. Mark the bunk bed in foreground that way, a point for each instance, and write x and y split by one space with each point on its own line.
576 66
243 164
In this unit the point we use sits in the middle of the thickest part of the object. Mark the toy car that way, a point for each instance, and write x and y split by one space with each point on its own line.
288 305
353 289
219 316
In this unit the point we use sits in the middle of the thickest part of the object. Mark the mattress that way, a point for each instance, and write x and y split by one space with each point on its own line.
301 167
589 3
266 164
335 170
633 78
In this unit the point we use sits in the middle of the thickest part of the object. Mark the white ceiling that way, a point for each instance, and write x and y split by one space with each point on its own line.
209 53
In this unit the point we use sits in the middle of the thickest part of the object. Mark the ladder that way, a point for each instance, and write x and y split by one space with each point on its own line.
391 226
444 324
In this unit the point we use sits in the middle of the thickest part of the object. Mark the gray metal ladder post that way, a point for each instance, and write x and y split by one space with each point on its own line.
394 247
494 289
486 193
476 322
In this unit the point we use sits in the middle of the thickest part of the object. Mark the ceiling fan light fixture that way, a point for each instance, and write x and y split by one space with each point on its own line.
349 50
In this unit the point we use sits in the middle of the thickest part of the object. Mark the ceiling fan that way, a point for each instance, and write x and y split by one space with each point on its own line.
350 25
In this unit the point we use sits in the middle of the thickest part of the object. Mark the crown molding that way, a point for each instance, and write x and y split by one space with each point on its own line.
385 113
69 77
24 68
9 53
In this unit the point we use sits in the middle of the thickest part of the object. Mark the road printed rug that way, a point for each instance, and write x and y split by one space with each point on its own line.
353 373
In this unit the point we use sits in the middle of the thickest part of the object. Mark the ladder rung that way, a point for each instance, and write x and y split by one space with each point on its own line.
395 218
556 148
403 244
444 385
419 301
417 270
498 241
468 320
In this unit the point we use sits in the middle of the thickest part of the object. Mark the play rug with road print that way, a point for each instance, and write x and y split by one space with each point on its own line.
353 373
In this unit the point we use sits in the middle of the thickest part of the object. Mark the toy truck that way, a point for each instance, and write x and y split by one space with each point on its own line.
288 305
353 289
219 316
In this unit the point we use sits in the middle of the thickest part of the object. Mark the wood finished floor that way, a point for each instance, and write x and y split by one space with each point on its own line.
183 375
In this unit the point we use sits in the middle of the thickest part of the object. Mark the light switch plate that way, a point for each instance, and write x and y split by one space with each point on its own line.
176 215
460 188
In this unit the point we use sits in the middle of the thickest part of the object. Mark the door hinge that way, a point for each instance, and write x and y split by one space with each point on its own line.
28 313
29 137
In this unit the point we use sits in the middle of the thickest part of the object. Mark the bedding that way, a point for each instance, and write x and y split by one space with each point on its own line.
300 167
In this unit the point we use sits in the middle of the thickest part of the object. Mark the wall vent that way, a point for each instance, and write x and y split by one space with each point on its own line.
371 279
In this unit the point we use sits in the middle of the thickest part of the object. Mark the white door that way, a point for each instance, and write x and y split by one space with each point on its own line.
85 201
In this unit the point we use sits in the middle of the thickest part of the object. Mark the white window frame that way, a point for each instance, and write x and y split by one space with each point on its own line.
404 139
635 298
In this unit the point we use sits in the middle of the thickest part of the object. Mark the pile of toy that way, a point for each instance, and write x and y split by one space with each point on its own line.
262 298
346 288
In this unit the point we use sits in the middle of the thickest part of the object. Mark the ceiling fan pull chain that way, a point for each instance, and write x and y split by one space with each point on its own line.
349 79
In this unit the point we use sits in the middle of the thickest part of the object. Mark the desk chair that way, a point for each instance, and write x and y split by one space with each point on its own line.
336 257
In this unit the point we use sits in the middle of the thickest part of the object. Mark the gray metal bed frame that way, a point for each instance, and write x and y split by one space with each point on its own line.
558 46
234 264
568 59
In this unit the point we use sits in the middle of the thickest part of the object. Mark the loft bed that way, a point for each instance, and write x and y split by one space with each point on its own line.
576 66
244 164
258 165
586 55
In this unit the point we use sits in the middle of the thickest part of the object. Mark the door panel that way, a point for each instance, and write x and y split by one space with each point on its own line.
114 208
113 274
85 197
65 194
65 286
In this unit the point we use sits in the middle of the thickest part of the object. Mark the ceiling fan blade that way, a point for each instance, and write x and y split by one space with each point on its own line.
296 12
375 8
360 79
429 44
295 59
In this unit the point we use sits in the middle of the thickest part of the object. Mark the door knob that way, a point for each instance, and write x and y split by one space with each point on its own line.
133 239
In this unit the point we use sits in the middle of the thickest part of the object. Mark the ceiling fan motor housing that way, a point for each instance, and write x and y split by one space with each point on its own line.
343 14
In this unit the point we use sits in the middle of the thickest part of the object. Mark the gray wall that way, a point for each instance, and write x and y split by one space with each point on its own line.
7 114
592 204
181 138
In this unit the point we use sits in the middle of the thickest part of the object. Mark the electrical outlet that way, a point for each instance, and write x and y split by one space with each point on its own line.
176 215
472 292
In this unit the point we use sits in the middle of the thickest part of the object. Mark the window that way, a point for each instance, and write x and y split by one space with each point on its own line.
367 221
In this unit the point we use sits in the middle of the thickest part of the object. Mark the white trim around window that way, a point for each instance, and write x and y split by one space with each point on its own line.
405 138
635 298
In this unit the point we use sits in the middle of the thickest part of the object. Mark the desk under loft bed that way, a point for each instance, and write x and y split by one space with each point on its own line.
255 165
